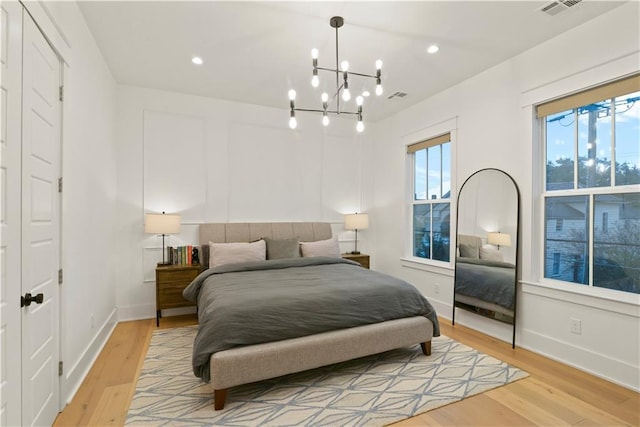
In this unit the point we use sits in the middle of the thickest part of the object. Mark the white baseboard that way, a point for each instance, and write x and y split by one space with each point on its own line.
76 374
617 371
592 362
136 312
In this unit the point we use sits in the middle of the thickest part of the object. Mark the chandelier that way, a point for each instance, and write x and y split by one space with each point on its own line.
342 90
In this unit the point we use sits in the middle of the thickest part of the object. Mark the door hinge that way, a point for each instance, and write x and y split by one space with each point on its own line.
61 92
60 368
60 185
60 277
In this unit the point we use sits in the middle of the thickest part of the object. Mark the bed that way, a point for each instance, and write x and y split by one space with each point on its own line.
484 284
245 334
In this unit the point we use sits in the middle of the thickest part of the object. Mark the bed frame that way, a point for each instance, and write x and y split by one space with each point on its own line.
258 362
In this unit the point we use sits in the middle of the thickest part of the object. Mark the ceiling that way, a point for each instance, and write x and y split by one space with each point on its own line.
254 52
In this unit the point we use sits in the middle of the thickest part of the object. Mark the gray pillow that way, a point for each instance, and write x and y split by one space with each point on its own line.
285 248
468 251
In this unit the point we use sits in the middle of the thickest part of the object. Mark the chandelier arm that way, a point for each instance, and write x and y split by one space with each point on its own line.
362 75
337 94
328 69
310 110
348 72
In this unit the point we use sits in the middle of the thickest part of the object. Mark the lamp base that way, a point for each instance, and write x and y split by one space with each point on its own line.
163 264
355 252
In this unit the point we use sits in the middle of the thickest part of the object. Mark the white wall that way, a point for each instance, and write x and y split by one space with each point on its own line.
89 195
491 115
218 161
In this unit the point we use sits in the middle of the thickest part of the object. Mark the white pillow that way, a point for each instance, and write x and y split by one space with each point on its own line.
229 253
490 254
329 247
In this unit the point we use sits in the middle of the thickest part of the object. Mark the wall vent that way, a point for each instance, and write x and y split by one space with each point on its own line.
397 95
557 6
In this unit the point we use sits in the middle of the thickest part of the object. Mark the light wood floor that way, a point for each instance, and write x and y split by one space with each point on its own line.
553 394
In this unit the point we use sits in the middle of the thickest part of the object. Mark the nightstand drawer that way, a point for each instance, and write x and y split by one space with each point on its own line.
170 295
362 259
170 282
169 275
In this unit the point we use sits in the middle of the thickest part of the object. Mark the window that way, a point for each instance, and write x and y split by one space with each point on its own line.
592 172
556 263
430 205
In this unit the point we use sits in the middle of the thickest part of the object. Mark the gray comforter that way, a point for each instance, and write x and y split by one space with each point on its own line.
256 302
491 281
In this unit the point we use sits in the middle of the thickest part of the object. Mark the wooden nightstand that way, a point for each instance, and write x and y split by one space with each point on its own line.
362 259
170 282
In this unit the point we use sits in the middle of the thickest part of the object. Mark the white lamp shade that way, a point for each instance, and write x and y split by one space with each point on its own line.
356 221
161 224
499 239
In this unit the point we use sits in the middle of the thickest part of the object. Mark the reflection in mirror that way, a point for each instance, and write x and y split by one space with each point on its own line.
487 246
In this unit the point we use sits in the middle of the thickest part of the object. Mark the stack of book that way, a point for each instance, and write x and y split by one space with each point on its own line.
180 255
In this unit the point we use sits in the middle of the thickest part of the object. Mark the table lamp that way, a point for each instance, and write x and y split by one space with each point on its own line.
162 224
499 239
356 222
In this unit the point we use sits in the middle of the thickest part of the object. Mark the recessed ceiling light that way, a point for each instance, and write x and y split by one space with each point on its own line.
433 48
196 60
366 93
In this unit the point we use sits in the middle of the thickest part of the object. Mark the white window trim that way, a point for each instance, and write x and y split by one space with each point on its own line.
590 192
538 93
589 296
446 126
432 266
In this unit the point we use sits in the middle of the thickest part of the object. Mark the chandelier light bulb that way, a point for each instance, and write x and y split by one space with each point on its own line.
315 81
314 53
293 123
344 66
378 90
346 95
325 97
379 64
292 95
325 120
360 126
197 60
359 100
433 48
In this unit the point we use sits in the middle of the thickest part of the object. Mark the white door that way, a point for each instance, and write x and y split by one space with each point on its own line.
40 226
10 272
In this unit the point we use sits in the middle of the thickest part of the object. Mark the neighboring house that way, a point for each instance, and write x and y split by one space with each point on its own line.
616 239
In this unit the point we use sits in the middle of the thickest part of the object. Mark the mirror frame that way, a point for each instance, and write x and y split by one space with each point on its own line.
517 253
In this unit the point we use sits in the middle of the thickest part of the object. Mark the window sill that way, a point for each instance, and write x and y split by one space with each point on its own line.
603 299
437 267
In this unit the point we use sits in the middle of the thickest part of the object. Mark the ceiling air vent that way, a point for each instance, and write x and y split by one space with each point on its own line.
557 6
397 95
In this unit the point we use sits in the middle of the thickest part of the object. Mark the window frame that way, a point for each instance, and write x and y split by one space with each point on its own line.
419 141
590 192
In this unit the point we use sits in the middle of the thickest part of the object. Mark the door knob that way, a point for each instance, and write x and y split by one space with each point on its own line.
27 299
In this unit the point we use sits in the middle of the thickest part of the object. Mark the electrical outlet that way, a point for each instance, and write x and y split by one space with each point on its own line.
436 288
575 326
91 320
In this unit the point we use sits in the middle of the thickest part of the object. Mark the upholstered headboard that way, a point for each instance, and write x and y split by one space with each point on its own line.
251 231
465 239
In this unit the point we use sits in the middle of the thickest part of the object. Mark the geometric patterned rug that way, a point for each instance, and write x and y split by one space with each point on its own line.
370 391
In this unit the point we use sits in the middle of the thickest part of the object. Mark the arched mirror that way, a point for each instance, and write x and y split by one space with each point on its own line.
487 247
